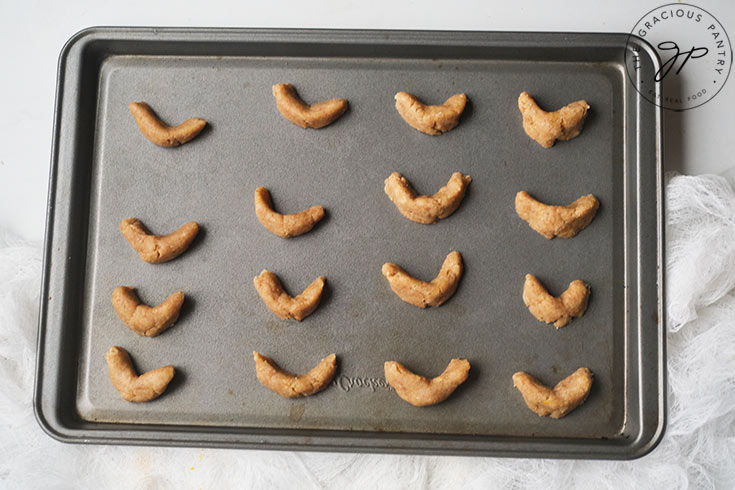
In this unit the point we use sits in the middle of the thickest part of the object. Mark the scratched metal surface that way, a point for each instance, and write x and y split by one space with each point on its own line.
342 167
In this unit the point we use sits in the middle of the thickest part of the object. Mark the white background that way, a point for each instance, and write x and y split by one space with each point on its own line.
33 32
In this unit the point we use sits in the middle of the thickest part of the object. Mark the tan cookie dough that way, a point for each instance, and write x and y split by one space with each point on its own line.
284 225
420 293
159 132
284 306
547 127
290 385
430 119
304 115
549 309
158 248
132 387
553 221
420 391
143 319
567 395
426 209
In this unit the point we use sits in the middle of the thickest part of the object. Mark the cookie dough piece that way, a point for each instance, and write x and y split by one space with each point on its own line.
316 116
426 209
158 248
159 132
547 127
549 309
290 385
132 387
143 319
430 119
420 391
423 294
567 395
284 306
284 225
553 221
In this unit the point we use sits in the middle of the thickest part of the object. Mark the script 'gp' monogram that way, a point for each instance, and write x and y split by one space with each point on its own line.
695 53
666 46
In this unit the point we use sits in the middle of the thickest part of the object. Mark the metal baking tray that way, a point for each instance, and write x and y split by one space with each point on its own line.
103 170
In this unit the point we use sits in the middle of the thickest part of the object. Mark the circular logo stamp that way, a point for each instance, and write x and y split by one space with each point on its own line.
695 52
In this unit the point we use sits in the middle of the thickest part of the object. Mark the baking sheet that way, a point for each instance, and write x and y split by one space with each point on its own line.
342 167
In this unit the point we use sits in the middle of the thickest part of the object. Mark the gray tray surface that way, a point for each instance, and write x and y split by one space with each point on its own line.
342 167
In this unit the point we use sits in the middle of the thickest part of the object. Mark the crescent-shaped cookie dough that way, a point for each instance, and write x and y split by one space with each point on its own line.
132 387
290 385
284 225
568 394
159 132
430 119
547 127
143 319
426 209
158 248
284 306
549 309
316 116
553 221
423 294
420 391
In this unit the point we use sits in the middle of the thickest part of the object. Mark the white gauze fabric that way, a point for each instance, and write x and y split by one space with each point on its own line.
697 452
700 248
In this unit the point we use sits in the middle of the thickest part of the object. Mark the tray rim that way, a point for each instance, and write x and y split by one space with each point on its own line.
333 440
